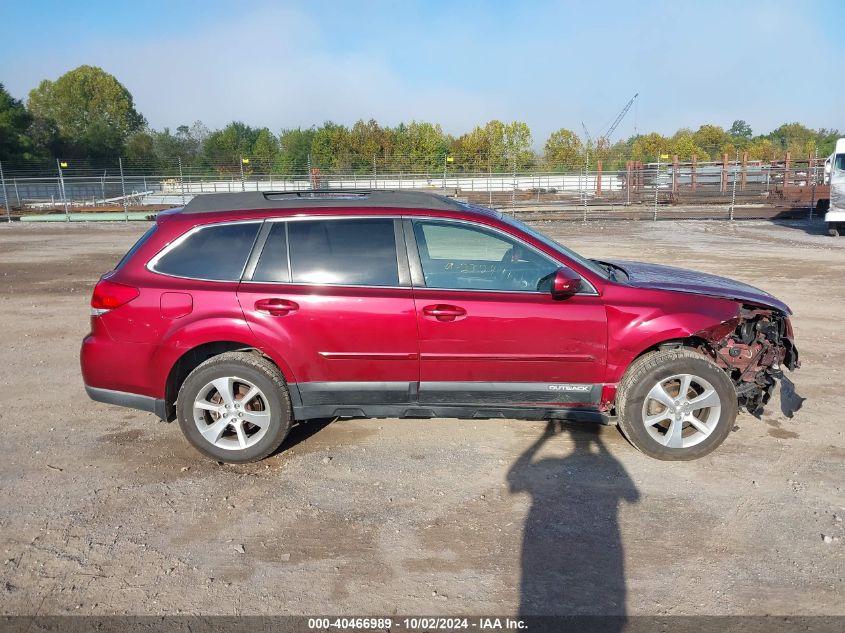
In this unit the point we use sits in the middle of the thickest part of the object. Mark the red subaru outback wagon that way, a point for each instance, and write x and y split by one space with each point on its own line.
242 314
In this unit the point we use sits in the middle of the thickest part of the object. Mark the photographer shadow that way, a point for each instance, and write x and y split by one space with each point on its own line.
572 555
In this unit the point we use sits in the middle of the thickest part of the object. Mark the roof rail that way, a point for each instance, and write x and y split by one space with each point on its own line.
311 198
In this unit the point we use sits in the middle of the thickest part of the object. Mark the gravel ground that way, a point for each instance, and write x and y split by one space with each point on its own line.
108 511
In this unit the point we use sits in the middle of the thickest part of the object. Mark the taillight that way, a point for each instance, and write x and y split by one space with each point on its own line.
109 295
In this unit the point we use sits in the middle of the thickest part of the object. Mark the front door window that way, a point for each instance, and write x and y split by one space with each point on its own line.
462 257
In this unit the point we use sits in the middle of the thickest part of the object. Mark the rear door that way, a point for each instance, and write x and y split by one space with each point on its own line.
332 297
490 332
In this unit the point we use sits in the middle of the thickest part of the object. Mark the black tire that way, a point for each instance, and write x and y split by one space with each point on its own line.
656 367
261 373
834 229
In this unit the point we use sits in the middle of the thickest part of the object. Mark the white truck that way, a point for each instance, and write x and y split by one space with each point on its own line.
835 172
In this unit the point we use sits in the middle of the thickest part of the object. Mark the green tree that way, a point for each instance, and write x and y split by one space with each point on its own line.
762 149
15 142
563 150
294 149
648 147
714 140
795 138
224 149
684 146
140 149
499 146
420 147
89 110
368 140
740 130
517 139
265 150
827 141
331 148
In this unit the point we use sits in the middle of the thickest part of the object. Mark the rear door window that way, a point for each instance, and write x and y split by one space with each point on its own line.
273 264
217 252
357 252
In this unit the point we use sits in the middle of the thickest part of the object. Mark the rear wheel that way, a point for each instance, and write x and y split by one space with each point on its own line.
235 407
676 405
834 229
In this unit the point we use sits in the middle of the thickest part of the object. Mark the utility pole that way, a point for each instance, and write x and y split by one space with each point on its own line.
733 192
308 167
59 164
814 176
123 190
5 197
181 180
656 186
513 190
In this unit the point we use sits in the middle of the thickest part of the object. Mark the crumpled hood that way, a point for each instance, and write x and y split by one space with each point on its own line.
642 275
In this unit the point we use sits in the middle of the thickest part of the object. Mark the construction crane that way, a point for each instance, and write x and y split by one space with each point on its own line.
587 134
603 140
606 136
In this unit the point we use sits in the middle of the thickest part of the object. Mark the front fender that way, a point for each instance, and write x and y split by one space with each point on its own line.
632 330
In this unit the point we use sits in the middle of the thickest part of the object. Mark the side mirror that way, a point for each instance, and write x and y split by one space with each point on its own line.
565 283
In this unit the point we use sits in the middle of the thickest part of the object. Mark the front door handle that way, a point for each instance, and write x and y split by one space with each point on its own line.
444 312
276 307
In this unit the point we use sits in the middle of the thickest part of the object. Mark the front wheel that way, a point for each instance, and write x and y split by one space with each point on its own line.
676 405
235 407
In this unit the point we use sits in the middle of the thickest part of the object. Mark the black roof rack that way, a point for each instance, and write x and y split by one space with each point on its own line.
254 200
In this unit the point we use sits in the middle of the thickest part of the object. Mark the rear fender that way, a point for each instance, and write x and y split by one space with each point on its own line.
180 341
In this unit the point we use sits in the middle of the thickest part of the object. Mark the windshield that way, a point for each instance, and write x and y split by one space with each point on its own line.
839 162
545 239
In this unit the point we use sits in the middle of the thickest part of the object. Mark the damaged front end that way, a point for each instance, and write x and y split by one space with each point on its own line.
753 348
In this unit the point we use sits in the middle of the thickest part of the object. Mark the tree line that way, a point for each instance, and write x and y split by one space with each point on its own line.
87 115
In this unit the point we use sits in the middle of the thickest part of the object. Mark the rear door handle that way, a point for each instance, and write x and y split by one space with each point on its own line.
276 307
444 312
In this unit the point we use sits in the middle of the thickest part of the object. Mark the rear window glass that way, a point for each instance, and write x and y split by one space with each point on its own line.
273 263
359 252
217 252
147 234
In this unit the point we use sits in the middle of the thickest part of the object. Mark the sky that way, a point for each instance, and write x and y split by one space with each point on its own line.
458 63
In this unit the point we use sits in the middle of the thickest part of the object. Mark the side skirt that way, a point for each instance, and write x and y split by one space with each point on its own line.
466 400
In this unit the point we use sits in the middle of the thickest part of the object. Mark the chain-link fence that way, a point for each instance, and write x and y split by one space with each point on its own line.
638 190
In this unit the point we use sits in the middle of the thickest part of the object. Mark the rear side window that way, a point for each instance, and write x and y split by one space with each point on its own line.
137 245
216 252
273 263
356 252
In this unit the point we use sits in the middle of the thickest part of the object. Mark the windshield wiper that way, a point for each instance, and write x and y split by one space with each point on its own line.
606 268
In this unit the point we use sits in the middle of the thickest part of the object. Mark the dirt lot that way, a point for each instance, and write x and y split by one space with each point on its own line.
108 511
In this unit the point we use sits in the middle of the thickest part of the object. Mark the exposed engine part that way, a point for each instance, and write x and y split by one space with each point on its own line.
754 354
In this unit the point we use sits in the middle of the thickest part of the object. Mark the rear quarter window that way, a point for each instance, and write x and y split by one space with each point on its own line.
147 235
217 252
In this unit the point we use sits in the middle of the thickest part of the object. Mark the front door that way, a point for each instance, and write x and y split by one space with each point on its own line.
490 332
331 300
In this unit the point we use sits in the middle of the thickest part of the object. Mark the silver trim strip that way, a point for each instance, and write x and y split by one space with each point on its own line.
310 217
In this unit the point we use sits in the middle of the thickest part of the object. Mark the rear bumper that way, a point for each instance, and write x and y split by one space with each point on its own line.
130 400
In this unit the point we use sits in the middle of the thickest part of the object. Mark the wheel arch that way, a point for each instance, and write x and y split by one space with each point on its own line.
692 343
191 358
